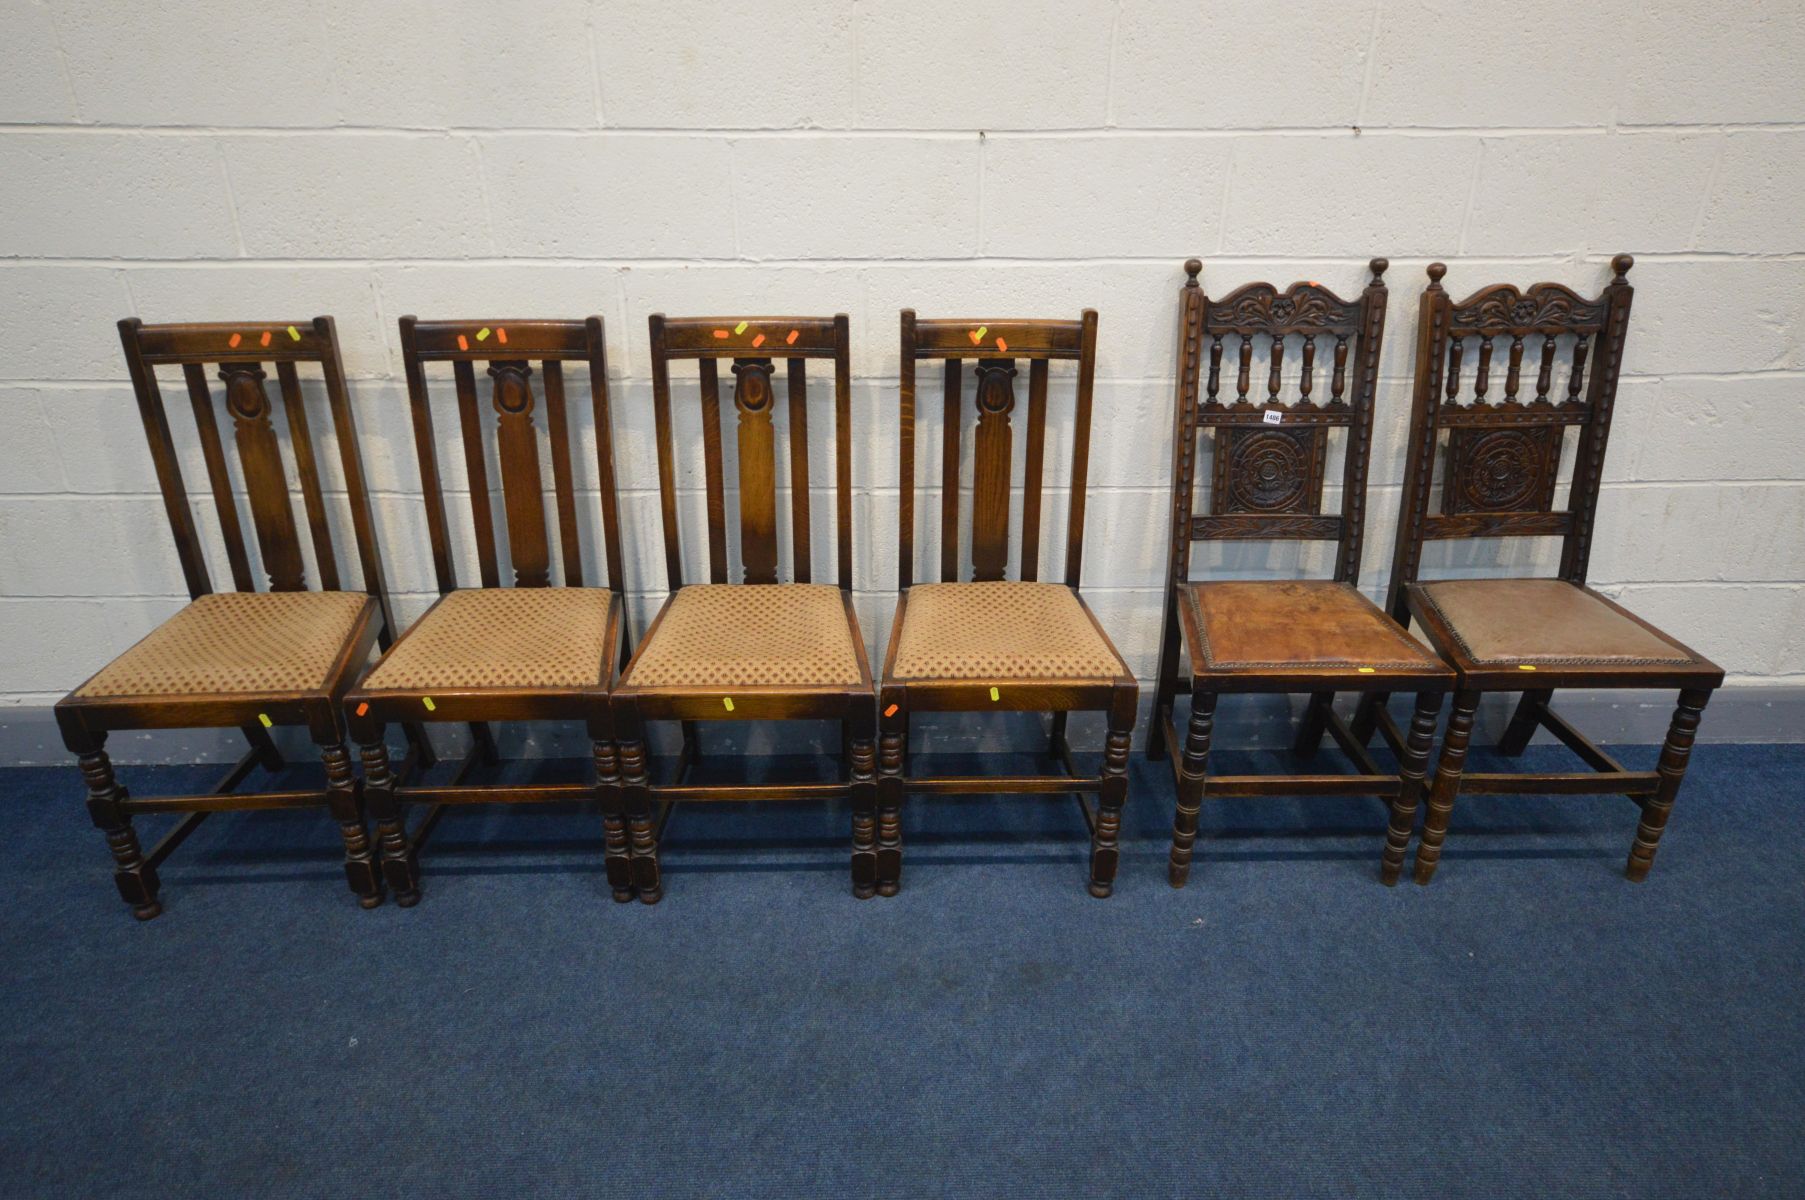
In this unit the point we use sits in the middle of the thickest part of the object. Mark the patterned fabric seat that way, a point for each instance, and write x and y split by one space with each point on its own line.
749 635
237 644
1000 630
534 637
1266 624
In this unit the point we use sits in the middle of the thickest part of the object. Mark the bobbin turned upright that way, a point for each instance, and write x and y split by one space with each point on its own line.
1501 480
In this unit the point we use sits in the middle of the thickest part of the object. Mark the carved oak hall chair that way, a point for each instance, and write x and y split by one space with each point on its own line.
1499 478
757 650
992 644
246 658
1268 460
535 650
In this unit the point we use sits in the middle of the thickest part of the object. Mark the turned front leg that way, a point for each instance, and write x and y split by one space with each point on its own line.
616 850
862 763
1448 768
135 878
1192 771
400 864
642 831
1675 752
1105 854
346 804
892 748
1413 766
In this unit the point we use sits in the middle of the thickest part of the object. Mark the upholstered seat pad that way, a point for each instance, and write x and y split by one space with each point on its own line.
1000 630
237 644
539 637
750 635
1543 621
1298 623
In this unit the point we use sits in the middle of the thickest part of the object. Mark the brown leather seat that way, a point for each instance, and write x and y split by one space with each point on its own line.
1544 622
1302 624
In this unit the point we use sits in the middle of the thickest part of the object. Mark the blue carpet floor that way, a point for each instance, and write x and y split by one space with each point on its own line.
1531 1025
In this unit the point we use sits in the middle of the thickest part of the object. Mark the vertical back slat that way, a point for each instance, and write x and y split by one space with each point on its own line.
1576 380
1081 450
207 425
667 466
993 459
713 472
753 401
307 467
949 473
1513 373
1545 373
1034 468
799 485
1215 382
1338 380
905 477
604 451
557 424
843 448
1455 348
477 470
1244 377
1274 380
163 458
426 449
1482 370
265 479
522 486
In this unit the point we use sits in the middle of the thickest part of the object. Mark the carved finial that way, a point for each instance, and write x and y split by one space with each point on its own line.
1193 267
1436 271
1622 264
1377 266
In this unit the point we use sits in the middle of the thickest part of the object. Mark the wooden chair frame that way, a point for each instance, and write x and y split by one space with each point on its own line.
752 345
995 346
1531 432
240 352
509 348
1355 329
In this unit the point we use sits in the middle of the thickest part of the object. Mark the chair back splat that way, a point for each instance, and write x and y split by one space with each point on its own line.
752 349
994 348
509 349
240 353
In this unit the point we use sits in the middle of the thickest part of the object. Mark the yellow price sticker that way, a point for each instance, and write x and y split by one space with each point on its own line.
1524 667
1366 670
294 334
727 703
994 695
427 701
267 723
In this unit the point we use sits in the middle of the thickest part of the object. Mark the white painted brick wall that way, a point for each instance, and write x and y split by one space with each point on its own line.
187 162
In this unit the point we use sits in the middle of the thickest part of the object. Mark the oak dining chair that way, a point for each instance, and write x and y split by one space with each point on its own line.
269 653
755 649
1269 457
538 643
1500 476
984 642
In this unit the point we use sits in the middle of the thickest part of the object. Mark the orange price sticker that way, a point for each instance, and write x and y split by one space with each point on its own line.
363 709
891 711
264 340
758 341
236 338
720 333
463 342
1002 345
791 340
977 335
501 335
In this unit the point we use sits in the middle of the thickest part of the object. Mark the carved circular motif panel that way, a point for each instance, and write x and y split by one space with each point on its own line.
1268 471
1503 470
